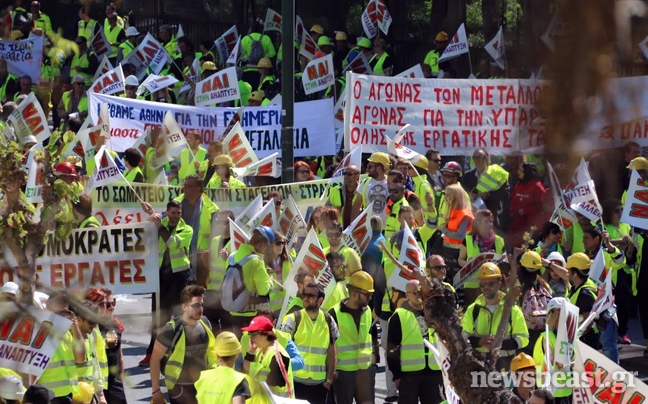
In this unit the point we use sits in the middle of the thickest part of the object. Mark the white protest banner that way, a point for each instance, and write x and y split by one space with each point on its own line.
218 88
314 127
472 266
496 48
236 118
397 149
266 167
311 257
553 31
29 119
566 215
138 60
155 54
605 381
233 58
359 65
319 74
458 45
272 21
30 337
24 57
267 216
643 45
358 234
193 74
88 139
383 17
161 178
100 45
251 209
237 235
106 171
237 146
155 83
582 196
635 210
369 19
290 221
34 187
109 83
566 335
123 258
353 158
411 257
104 67
308 47
414 72
466 114
300 28
225 43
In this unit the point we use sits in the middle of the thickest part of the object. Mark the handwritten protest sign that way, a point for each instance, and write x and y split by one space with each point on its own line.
24 57
123 258
313 131
30 337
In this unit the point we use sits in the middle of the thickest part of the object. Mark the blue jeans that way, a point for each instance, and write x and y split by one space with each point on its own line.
608 340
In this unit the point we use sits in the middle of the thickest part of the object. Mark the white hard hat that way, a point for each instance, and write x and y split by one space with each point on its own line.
10 287
29 139
556 256
556 303
11 388
132 31
131 81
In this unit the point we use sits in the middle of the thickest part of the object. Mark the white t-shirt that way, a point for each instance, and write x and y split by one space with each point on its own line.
377 192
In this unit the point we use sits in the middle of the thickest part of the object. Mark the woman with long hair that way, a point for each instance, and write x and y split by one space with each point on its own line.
319 219
223 165
534 296
303 172
481 239
526 203
278 261
549 240
458 222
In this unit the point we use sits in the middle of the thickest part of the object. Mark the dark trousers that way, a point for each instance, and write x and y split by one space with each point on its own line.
642 302
624 301
423 385
220 319
358 384
314 394
171 286
183 394
115 393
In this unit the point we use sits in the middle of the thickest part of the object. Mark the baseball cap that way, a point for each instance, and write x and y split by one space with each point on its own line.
259 323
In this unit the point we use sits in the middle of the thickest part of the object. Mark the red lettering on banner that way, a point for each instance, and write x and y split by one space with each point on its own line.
56 275
432 117
22 332
124 272
97 277
78 149
265 169
470 117
6 324
395 92
150 50
642 196
267 220
447 96
99 46
111 265
639 211
43 332
368 136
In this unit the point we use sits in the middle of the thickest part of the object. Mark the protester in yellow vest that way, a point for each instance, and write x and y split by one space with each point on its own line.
40 20
82 210
381 63
314 332
87 27
74 101
223 176
168 40
126 47
187 354
431 61
416 373
336 262
84 62
8 83
523 369
334 238
279 263
132 158
114 32
191 157
223 384
94 370
356 347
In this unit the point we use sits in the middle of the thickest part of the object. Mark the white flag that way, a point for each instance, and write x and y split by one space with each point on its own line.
554 30
411 257
237 236
290 221
218 88
643 45
267 216
233 58
170 139
358 234
180 32
394 146
582 198
566 335
194 75
161 178
225 43
155 83
237 146
635 210
457 46
369 19
383 17
34 188
244 217
104 67
496 49
156 55
308 47
106 171
266 167
100 45
414 72
272 21
29 119
109 83
359 65
319 74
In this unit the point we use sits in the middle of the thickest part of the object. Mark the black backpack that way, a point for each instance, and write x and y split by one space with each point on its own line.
234 295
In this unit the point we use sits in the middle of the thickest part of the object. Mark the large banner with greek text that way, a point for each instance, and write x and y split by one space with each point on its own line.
24 57
452 116
30 337
117 204
123 258
314 128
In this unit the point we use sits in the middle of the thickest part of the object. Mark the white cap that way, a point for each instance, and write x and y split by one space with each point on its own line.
556 256
11 388
132 31
9 287
556 303
131 81
29 139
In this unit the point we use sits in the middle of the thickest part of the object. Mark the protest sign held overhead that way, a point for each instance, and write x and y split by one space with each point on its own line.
29 119
635 210
359 65
249 211
358 234
30 337
319 75
369 18
100 45
106 171
156 57
34 188
496 48
193 74
458 45
218 88
411 257
266 167
236 145
104 67
236 118
470 269
225 43
267 216
24 57
566 335
138 60
155 83
414 72
272 21
234 55
237 236
383 17
313 127
110 82
290 221
308 47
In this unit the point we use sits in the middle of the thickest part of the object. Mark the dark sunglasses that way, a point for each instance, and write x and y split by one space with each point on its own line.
309 296
197 305
280 242
618 210
436 160
131 87
108 305
395 191
78 84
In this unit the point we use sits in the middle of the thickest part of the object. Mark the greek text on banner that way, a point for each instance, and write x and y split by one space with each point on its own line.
314 128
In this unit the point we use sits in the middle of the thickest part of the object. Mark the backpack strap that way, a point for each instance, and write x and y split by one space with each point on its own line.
178 328
298 317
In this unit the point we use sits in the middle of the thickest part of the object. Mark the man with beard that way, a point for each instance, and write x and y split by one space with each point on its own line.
374 189
343 197
338 267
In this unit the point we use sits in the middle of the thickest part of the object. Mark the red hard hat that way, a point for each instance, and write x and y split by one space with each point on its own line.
65 168
452 167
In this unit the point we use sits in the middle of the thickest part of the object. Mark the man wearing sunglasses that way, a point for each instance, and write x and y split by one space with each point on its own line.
394 203
483 317
351 257
187 344
344 196
96 360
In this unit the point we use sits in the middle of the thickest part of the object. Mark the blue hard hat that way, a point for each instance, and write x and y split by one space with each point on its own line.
266 232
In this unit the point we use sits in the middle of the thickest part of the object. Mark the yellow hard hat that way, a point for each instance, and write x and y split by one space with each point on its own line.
227 344
364 42
85 393
531 260
256 96
265 62
522 361
638 163
422 162
380 158
324 41
579 261
362 280
341 36
317 29
441 37
208 65
489 270
223 160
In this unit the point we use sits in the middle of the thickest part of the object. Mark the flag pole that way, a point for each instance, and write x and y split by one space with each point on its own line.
469 62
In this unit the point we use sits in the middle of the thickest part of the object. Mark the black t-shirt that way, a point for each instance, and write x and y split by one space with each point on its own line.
196 343
242 390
